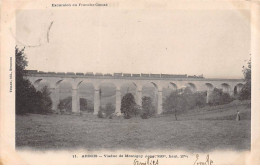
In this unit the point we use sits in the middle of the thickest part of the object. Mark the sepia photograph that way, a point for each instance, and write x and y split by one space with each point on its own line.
191 93
139 83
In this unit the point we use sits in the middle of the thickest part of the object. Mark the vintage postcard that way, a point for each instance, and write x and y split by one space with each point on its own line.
109 82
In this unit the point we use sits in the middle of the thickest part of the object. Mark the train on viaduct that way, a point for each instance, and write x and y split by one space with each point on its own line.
158 81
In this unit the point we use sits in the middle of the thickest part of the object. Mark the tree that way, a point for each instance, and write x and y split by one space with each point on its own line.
215 97
65 104
45 103
24 90
128 105
183 100
176 103
218 97
20 64
245 93
27 99
148 108
200 99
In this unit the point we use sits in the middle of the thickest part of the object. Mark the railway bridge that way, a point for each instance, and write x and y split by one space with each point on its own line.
158 81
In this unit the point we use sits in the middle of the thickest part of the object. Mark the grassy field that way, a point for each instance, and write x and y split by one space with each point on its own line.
199 130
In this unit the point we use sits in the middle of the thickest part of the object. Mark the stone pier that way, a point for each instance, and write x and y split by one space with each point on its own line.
159 81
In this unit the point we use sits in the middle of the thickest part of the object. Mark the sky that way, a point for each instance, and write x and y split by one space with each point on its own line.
215 43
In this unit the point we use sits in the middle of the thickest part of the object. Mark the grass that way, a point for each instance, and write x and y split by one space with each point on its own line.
61 132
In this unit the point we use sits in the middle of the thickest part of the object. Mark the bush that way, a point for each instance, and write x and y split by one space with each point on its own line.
200 99
128 105
218 97
144 116
175 103
45 102
245 93
100 113
127 116
137 110
183 100
65 104
109 109
147 107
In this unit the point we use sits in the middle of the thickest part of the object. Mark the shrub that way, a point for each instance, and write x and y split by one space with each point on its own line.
100 113
147 107
182 100
144 116
137 110
200 99
127 116
175 103
65 104
45 102
218 97
109 109
245 93
128 105
226 98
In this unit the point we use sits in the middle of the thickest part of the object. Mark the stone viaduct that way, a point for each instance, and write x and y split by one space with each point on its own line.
159 81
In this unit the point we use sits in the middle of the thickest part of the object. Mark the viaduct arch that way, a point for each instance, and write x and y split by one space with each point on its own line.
159 81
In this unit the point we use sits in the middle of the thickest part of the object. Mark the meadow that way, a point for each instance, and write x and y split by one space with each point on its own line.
205 129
